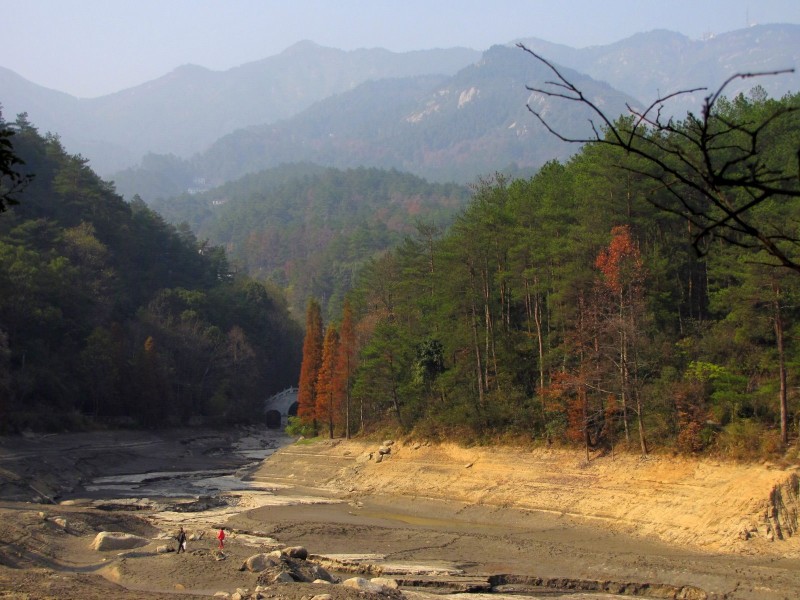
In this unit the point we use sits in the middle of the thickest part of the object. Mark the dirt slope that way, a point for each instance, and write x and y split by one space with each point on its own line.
702 504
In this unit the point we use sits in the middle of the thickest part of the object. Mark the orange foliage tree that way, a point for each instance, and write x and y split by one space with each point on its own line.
326 401
309 368
345 364
623 275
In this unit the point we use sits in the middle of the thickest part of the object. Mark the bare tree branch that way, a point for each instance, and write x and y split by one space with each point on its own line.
712 167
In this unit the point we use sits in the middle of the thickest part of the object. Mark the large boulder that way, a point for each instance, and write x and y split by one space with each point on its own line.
365 585
304 571
260 562
116 540
298 552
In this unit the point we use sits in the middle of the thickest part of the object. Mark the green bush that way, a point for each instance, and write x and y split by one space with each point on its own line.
748 440
296 427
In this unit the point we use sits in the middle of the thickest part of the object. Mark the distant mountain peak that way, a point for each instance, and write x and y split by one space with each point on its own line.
302 47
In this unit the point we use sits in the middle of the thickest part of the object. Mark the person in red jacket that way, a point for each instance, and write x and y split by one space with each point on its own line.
221 538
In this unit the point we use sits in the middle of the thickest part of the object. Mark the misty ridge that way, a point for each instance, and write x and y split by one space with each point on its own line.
447 115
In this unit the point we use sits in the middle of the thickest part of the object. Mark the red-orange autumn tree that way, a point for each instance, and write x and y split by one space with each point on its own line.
345 364
623 276
309 368
326 401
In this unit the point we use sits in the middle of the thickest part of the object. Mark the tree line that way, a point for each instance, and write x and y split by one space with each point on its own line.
571 307
110 316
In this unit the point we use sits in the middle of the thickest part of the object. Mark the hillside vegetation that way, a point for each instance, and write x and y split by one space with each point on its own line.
309 229
567 308
108 315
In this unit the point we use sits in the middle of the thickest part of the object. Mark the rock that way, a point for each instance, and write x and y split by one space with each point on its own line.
322 581
385 582
259 562
222 595
384 450
379 458
388 442
116 540
298 552
164 549
283 578
469 465
320 574
362 584
236 596
61 522
321 597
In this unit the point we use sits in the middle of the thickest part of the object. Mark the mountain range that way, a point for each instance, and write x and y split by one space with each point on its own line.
189 108
452 114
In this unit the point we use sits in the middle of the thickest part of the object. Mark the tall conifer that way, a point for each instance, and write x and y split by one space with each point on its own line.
345 363
309 369
327 403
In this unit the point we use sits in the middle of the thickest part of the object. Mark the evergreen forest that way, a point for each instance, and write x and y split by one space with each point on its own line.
580 307
109 316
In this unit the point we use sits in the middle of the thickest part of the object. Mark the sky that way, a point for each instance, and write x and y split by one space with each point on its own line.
89 48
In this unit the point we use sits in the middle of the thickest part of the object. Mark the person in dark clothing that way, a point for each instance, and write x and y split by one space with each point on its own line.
181 541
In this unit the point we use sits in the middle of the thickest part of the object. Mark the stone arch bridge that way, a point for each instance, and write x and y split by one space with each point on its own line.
280 407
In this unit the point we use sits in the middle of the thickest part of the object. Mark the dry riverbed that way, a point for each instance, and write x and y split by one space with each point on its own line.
437 519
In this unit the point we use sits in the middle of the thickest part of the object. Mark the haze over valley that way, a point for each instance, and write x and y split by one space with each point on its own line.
447 115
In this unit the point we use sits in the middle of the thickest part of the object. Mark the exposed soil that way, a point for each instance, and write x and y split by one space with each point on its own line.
545 521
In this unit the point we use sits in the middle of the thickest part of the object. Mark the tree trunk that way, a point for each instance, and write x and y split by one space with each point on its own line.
779 337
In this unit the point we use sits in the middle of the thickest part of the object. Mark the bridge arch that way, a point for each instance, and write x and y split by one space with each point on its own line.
280 407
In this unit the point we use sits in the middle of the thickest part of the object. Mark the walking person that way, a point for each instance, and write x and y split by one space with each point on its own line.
221 538
181 541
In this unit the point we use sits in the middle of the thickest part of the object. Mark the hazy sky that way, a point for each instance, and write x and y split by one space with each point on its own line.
93 47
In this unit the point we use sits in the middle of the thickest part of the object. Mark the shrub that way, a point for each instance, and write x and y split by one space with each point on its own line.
296 427
748 440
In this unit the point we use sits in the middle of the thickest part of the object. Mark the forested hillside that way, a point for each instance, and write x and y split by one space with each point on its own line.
309 229
108 315
568 308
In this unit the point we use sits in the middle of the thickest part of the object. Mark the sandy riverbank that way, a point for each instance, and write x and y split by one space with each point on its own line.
665 521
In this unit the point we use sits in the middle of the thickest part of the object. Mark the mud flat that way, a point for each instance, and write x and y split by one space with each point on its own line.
436 519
